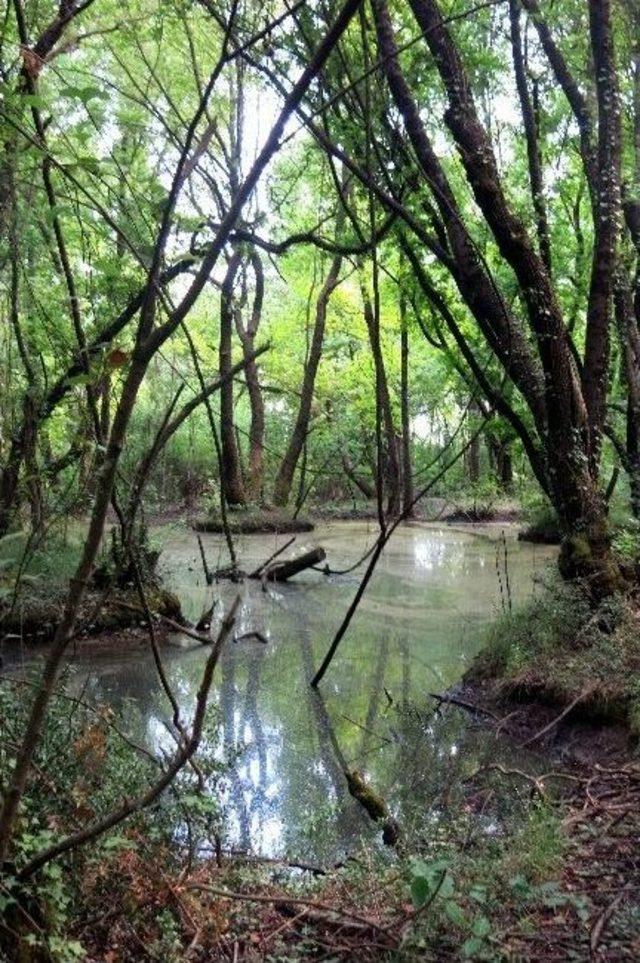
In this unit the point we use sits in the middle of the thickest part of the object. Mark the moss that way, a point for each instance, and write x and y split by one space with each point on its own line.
588 555
368 799
255 520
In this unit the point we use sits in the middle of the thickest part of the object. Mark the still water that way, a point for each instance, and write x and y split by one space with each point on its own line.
418 627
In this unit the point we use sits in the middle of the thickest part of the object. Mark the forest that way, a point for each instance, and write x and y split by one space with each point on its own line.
319 480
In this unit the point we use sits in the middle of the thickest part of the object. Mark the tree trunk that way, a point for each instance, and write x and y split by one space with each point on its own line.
247 335
530 121
407 470
389 455
282 571
231 472
499 450
284 478
353 476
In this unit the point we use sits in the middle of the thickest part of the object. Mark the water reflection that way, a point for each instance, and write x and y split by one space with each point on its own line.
420 623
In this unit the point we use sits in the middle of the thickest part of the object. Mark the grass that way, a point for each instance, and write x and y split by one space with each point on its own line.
34 580
558 648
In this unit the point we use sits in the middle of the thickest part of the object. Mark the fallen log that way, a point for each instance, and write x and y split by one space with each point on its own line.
260 569
281 571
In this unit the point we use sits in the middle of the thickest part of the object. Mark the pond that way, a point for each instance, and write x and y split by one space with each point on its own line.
419 625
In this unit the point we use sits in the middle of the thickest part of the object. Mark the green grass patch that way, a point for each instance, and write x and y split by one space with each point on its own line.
558 648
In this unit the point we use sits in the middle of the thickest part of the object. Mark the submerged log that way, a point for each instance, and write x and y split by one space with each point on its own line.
281 571
374 805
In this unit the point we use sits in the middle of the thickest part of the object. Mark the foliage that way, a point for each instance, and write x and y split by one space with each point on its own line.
559 647
86 764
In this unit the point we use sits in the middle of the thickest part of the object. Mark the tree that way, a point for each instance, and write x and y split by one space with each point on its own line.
569 411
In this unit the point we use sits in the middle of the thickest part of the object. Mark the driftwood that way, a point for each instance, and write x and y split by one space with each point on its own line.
281 571
204 622
260 569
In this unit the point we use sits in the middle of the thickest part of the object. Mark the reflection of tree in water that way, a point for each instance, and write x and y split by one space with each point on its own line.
376 687
333 764
283 734
231 747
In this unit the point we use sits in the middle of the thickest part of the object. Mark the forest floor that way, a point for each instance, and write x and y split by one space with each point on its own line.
254 519
594 910
560 882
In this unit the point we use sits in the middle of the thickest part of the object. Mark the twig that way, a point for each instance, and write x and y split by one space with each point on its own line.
290 900
207 571
369 732
554 722
461 704
178 626
536 781
252 635
599 925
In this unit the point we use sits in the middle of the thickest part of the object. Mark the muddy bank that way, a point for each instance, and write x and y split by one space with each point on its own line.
575 734
255 521
34 617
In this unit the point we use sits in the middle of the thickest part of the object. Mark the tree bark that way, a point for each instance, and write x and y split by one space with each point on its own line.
473 452
284 478
282 571
407 468
607 223
231 472
531 134
390 454
247 335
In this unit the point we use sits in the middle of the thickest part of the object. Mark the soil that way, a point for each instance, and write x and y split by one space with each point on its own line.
546 534
595 912
484 514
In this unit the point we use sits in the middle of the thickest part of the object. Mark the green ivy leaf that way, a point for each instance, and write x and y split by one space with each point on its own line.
420 890
481 927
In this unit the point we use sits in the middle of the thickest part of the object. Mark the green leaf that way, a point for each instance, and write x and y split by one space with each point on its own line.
80 379
420 890
455 913
33 100
84 94
86 163
481 927
117 842
471 947
447 886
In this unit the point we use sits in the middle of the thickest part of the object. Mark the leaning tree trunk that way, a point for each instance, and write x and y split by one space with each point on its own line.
230 469
284 478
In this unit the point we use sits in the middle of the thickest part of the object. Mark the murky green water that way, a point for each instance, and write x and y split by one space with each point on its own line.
419 625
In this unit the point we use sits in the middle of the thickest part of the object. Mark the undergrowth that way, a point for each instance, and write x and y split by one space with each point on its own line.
86 765
558 647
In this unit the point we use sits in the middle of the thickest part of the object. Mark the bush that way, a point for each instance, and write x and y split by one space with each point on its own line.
85 766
